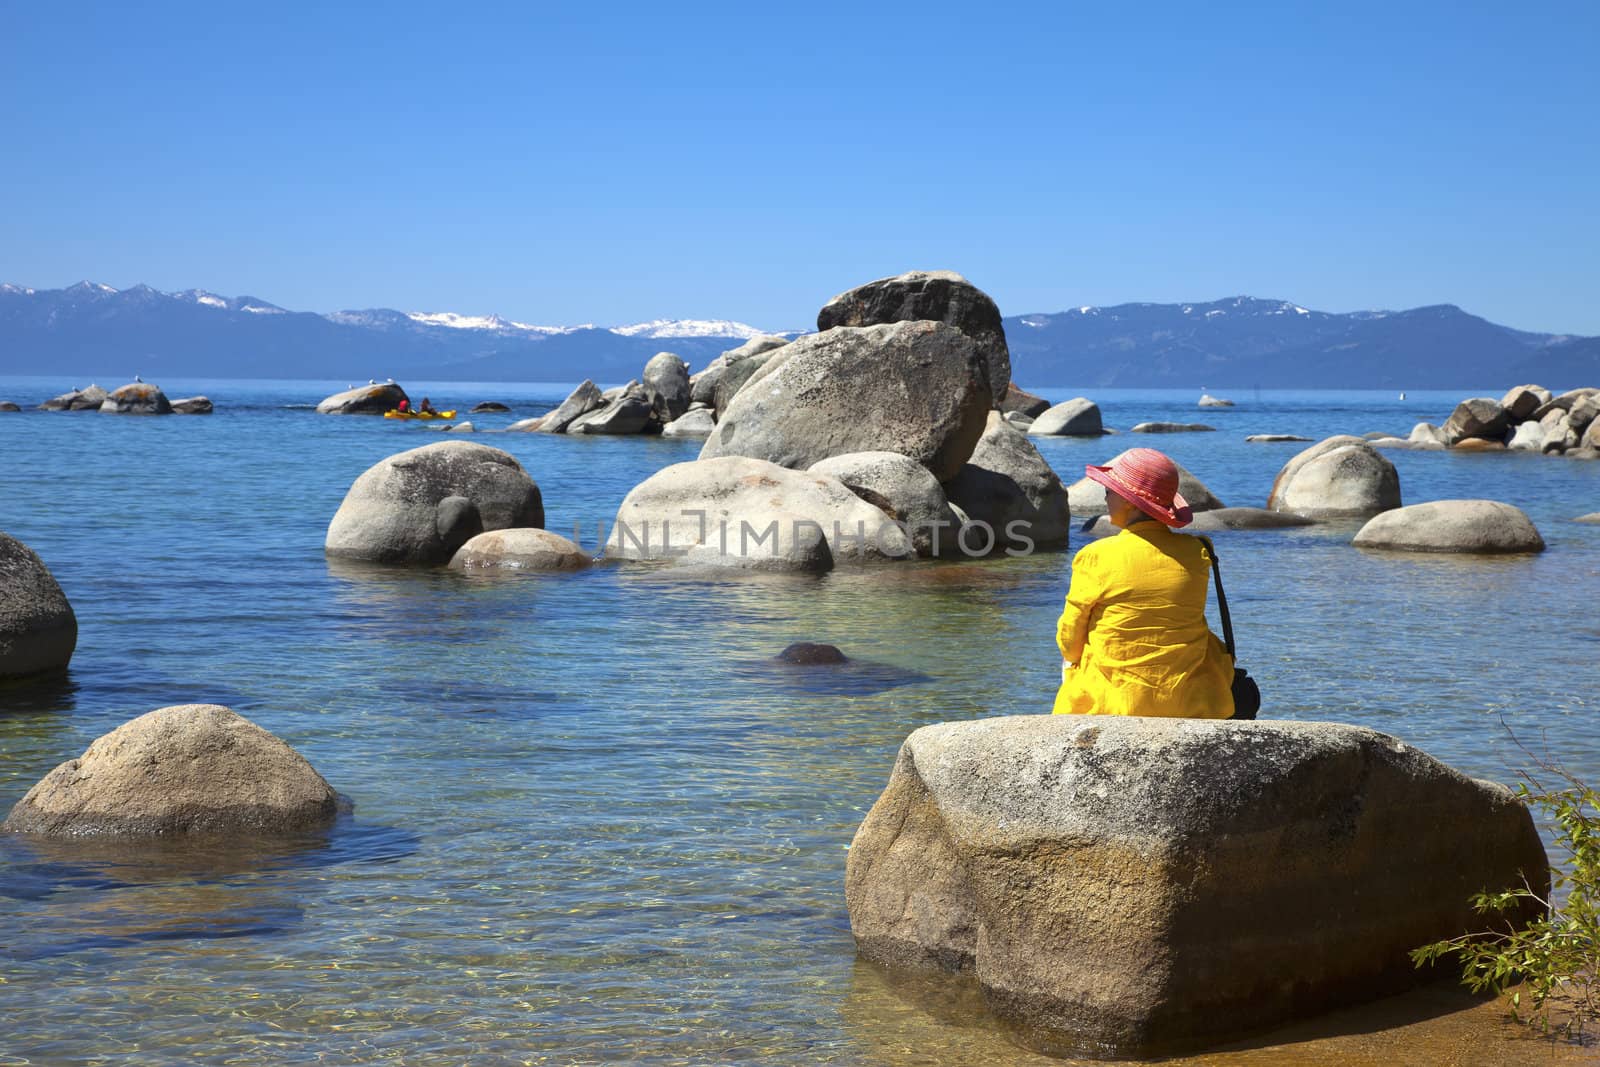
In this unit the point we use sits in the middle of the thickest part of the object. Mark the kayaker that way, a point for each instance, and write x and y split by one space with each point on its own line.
403 406
426 408
1133 634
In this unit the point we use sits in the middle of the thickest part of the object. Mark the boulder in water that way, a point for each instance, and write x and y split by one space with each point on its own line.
1140 887
1273 438
738 512
1209 401
1477 417
1477 526
487 406
1078 417
192 768
88 399
937 295
917 388
666 383
38 630
519 549
1008 487
9 406
1521 401
364 400
582 400
1021 402
192 405
137 398
1173 427
696 422
1340 477
904 490
626 411
419 506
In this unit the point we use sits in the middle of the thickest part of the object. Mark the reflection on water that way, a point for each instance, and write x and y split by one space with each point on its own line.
594 823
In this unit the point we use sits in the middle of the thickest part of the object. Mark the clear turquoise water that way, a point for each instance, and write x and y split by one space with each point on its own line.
590 823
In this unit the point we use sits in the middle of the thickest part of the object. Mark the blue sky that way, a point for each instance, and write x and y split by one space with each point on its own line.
565 164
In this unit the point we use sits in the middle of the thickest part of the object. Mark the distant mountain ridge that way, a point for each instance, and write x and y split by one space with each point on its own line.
94 329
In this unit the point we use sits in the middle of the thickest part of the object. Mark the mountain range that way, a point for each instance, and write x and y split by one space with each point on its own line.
96 330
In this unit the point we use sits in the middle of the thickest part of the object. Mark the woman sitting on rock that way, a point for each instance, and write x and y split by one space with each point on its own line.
1133 635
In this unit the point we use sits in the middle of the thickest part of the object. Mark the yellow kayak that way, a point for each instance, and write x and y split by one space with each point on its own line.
420 414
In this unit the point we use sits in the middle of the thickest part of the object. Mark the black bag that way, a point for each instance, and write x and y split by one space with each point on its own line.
1246 693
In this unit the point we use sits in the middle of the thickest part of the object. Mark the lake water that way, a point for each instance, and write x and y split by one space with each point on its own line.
590 823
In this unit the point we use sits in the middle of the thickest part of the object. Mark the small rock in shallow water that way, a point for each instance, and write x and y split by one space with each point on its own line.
808 653
7 405
487 405
1173 427
192 405
1480 526
1270 438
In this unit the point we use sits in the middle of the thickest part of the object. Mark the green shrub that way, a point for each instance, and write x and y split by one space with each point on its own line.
1555 957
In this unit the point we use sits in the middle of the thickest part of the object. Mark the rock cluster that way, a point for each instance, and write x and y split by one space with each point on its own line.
193 768
1135 887
876 439
1527 419
138 397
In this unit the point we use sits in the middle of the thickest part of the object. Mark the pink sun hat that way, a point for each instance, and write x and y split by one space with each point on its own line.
1148 480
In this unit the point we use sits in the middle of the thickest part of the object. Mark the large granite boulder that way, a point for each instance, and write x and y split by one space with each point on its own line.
1008 486
524 548
939 295
1591 436
137 398
1138 887
192 405
696 422
737 374
917 388
421 505
1021 402
372 399
1479 417
1521 401
1078 417
736 511
627 410
1340 477
703 386
1088 497
192 768
904 490
38 630
582 400
666 381
1581 416
88 399
1481 526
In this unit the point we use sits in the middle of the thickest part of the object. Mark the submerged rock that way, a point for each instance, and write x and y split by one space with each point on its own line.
38 630
520 549
1273 438
1481 526
191 768
421 505
1173 427
9 406
917 388
806 653
1138 887
1208 401
936 295
487 406
1340 477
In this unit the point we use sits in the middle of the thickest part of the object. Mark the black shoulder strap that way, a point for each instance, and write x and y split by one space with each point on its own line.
1222 598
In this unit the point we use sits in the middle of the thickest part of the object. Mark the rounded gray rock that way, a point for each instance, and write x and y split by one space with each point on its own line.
420 506
363 400
1173 427
520 549
38 630
1078 417
1009 486
917 388
936 295
1340 477
900 487
192 768
137 398
192 405
1480 417
738 512
1479 526
666 381
1521 401
696 422
88 399
1273 438
582 400
628 410
9 406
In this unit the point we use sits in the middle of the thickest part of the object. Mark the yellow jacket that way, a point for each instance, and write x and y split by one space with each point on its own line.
1134 630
